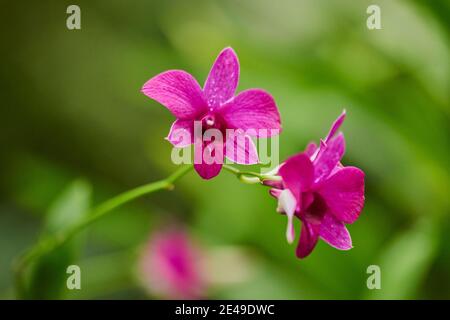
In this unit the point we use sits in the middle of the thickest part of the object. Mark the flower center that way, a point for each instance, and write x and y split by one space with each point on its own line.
212 121
315 208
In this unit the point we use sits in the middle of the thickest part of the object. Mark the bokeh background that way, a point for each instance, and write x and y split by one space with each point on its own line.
75 130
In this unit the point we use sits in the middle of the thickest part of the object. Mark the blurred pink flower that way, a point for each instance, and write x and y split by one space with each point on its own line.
321 192
252 112
170 266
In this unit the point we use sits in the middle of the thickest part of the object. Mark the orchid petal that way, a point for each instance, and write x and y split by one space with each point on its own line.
241 149
311 149
297 174
274 192
344 193
253 110
181 133
335 126
328 157
223 78
178 91
208 171
208 158
277 184
334 232
308 239
287 204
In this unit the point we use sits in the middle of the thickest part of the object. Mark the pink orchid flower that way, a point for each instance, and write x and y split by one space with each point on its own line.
321 192
170 266
252 112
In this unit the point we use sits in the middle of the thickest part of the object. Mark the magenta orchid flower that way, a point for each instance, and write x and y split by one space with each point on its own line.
253 112
170 266
321 192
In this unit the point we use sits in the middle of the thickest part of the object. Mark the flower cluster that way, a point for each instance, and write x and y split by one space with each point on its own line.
321 192
314 186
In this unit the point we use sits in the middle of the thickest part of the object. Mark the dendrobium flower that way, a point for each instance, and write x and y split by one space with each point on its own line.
321 192
252 113
170 265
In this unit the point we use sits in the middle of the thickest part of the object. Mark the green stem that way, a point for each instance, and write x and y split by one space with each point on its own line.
52 242
248 176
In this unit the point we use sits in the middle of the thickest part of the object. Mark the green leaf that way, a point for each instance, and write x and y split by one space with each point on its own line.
48 274
69 208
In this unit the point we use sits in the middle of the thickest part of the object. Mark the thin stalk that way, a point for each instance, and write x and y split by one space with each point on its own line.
249 176
49 243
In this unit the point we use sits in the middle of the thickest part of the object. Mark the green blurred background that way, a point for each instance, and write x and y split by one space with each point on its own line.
75 130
